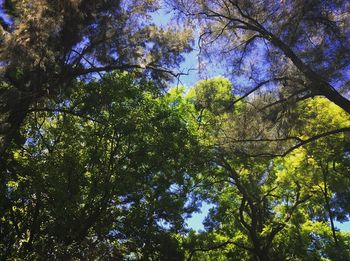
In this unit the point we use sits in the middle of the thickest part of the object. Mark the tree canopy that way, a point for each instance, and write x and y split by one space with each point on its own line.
104 157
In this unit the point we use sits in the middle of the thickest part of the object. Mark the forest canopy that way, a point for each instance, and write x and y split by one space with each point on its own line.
105 155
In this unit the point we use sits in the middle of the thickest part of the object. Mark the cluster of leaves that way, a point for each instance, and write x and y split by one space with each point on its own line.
267 207
104 173
46 45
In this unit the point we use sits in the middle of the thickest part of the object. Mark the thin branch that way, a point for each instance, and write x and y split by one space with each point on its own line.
71 112
302 143
85 59
266 140
289 214
316 137
108 68
257 87
217 247
288 98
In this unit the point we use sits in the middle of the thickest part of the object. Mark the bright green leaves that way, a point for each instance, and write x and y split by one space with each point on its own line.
214 95
113 167
103 169
267 207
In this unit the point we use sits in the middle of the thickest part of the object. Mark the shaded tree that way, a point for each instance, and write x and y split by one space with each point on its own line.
294 49
45 45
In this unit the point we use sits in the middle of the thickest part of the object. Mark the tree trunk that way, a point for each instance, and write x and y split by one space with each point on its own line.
263 255
11 120
328 207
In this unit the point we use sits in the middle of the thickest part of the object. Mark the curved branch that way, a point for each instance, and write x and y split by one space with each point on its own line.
316 137
300 144
257 87
217 247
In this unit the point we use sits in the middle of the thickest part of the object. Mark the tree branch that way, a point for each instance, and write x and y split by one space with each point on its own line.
259 85
217 247
71 112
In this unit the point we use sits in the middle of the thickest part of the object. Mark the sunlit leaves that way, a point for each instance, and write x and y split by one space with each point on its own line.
101 172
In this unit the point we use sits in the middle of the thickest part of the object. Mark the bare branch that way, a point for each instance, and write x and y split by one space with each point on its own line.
257 87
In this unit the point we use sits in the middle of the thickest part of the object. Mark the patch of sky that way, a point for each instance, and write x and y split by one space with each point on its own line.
195 222
3 15
162 17
345 226
189 67
164 224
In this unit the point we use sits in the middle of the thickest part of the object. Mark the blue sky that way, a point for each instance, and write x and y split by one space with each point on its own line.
196 221
6 18
189 66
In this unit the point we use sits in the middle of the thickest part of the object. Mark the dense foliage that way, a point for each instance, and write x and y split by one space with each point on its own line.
268 207
101 174
100 159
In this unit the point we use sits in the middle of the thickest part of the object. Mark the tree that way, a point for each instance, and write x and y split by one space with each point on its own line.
296 49
265 206
325 163
46 45
104 173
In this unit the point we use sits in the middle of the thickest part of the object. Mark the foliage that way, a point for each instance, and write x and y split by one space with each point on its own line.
100 175
284 51
267 207
47 45
99 160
